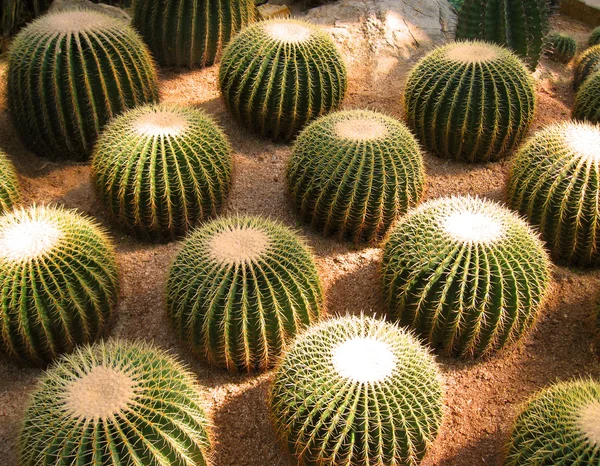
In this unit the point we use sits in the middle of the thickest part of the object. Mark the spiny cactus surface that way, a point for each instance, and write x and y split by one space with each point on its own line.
594 38
357 391
116 404
561 47
466 274
240 288
587 64
560 425
160 169
69 73
10 15
587 99
10 191
470 101
277 75
60 283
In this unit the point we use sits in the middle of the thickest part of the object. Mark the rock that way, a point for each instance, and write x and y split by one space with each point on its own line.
269 10
115 12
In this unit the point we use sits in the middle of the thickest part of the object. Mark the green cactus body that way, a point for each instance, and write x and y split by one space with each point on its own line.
71 72
467 275
587 99
354 173
239 289
555 183
520 25
10 15
10 190
561 47
60 283
116 404
357 391
594 38
190 32
587 64
559 425
161 169
470 101
277 75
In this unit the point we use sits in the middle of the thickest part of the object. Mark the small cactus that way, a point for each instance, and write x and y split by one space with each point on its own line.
60 283
561 47
115 404
555 183
160 169
594 38
354 173
69 73
470 101
587 99
277 75
357 391
466 274
559 425
239 289
10 191
587 64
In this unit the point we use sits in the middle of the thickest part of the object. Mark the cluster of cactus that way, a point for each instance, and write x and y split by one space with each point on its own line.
520 25
116 403
277 75
190 32
466 274
354 173
471 101
160 169
587 64
69 73
555 183
357 390
239 289
561 47
10 190
559 425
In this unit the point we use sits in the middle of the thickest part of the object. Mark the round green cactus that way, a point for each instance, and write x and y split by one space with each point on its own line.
357 390
560 425
240 288
470 101
10 190
555 183
466 274
594 38
277 75
587 64
561 47
354 173
114 404
71 72
60 282
160 169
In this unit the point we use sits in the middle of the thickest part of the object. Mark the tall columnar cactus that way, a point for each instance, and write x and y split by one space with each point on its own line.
587 99
559 425
161 169
278 75
470 101
555 183
587 64
520 25
561 47
71 72
239 289
116 404
60 283
357 391
466 274
190 32
10 191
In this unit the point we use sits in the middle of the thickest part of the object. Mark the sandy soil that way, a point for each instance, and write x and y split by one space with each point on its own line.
482 397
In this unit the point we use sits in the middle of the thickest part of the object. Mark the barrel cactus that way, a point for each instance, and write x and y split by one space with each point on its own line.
561 47
466 274
10 191
587 99
354 173
277 75
587 64
559 425
239 289
594 38
10 16
113 404
60 283
69 73
160 169
357 391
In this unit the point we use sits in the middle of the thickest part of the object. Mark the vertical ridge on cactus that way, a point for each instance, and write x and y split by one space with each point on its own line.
561 47
10 190
587 64
113 404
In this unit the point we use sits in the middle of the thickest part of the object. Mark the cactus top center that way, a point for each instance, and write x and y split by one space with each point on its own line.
363 360
101 393
467 52
288 31
26 239
240 245
161 124
76 21
361 129
589 422
473 227
584 140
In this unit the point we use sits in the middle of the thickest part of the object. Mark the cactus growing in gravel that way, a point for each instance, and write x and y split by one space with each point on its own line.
555 183
278 75
587 64
561 47
470 101
69 73
355 172
59 279
587 99
357 391
161 169
240 288
559 425
116 403
10 191
466 274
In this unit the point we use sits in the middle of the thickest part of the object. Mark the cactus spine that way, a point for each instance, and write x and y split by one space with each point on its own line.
561 47
587 99
10 191
587 64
